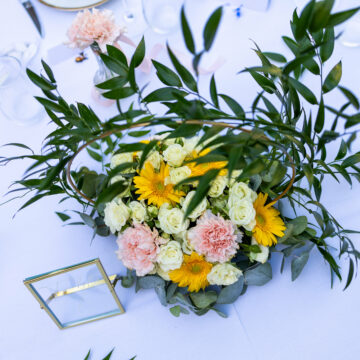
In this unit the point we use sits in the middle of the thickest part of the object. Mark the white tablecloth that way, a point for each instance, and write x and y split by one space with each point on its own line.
279 321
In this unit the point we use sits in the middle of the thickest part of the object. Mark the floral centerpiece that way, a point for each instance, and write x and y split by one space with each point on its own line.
199 208
158 235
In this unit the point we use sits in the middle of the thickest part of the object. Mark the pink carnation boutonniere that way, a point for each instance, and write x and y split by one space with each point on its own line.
94 26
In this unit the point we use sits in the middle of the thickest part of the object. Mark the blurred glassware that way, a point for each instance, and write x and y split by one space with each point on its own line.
17 102
256 5
351 28
24 51
133 17
163 15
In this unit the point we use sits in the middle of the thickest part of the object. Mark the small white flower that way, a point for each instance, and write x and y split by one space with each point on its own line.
153 211
179 174
170 256
242 213
218 186
190 144
116 214
234 175
174 155
241 191
154 158
224 274
261 257
119 159
138 212
199 210
172 220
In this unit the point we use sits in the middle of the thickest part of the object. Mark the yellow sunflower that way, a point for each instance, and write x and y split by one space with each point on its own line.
268 222
192 273
151 186
201 169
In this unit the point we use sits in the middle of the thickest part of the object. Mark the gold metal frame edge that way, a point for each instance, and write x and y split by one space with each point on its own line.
73 9
45 307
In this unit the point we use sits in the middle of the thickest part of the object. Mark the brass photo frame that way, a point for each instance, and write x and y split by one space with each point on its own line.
110 281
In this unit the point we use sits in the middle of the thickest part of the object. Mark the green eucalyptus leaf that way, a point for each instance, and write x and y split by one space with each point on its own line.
333 78
350 96
118 94
299 225
188 38
298 263
327 48
62 216
320 118
340 17
211 28
151 282
203 300
213 92
166 75
233 105
139 54
164 94
258 276
184 73
230 293
48 71
303 90
39 81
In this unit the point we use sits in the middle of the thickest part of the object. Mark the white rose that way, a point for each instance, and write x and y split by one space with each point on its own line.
242 191
186 246
174 155
162 273
199 210
116 214
154 158
217 186
179 174
172 220
170 256
190 144
261 256
234 175
138 211
119 159
242 213
224 274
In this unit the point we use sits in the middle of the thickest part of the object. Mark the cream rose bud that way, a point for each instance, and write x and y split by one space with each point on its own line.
119 159
262 256
172 221
162 273
138 212
154 158
153 211
116 214
179 174
217 186
234 175
174 155
170 256
242 213
190 144
224 274
199 210
242 191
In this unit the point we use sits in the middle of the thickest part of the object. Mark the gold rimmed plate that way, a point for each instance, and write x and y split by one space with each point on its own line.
73 5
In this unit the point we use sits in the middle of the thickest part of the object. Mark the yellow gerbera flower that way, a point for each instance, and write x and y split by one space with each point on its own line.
268 222
151 186
192 273
201 169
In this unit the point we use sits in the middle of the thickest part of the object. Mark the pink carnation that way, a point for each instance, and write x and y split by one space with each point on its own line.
139 248
89 27
214 237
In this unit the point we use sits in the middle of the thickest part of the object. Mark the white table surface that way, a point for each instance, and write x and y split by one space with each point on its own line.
279 321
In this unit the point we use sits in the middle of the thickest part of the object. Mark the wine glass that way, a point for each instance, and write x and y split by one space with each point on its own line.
134 17
16 94
162 15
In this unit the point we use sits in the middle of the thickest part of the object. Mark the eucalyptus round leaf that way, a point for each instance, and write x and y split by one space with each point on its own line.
150 282
259 276
203 299
230 293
